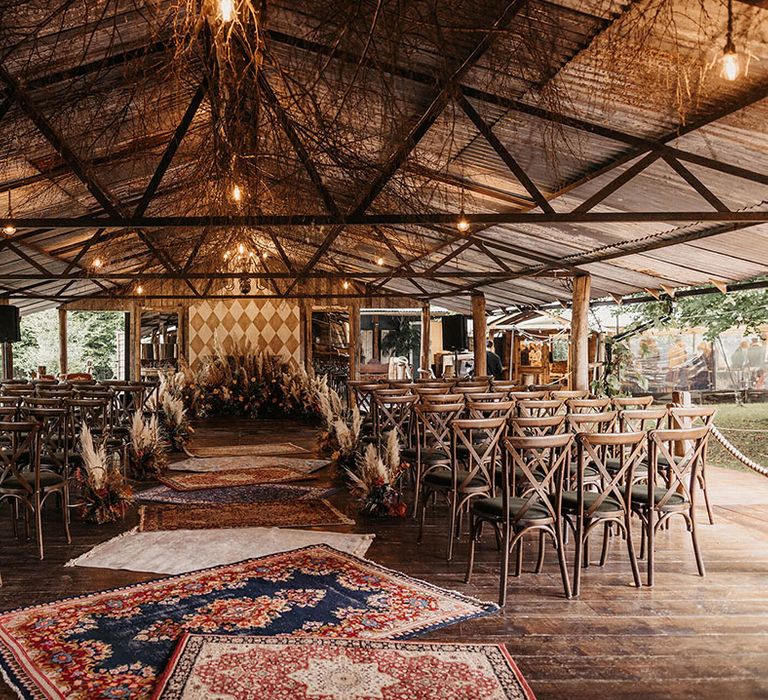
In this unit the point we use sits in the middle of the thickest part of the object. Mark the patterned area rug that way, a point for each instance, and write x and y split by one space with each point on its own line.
179 551
195 517
225 666
114 644
223 464
254 493
275 448
237 477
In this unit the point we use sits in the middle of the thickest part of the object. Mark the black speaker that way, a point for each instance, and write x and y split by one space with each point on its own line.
10 332
455 333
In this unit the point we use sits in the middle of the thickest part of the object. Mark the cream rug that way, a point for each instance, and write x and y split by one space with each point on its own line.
229 463
180 551
275 448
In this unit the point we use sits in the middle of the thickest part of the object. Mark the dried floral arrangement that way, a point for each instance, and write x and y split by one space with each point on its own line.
174 422
147 450
105 494
341 432
375 481
243 381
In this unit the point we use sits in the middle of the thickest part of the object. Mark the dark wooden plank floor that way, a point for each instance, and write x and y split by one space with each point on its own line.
687 638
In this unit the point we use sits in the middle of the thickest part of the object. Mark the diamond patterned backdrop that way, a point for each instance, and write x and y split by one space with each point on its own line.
269 325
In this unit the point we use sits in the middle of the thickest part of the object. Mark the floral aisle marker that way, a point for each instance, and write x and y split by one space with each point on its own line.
147 451
105 493
341 433
375 481
173 420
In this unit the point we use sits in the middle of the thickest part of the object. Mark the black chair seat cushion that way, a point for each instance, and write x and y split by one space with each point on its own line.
443 479
428 455
640 495
47 480
612 466
494 508
571 501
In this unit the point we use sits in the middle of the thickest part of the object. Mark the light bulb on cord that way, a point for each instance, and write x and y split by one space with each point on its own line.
139 289
345 284
237 193
97 263
8 228
380 262
240 248
227 10
730 61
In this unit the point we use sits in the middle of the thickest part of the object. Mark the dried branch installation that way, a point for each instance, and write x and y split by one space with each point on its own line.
127 111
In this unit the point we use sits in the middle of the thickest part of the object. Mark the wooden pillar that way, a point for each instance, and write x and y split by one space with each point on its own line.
306 339
63 347
376 350
136 342
479 333
182 334
354 340
580 333
425 361
7 351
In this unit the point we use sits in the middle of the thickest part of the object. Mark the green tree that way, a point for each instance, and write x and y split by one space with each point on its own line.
716 312
402 339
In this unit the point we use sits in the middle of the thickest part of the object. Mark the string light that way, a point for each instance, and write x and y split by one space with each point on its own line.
9 229
237 193
227 10
240 248
97 263
380 261
730 61
139 289
345 284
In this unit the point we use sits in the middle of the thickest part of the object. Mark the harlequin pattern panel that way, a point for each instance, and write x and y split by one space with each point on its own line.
270 325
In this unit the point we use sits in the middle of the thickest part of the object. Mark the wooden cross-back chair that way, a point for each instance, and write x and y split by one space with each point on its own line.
433 440
671 488
56 435
395 413
527 395
475 451
588 405
543 461
483 408
683 417
362 394
23 481
605 501
639 420
631 402
536 426
566 394
537 408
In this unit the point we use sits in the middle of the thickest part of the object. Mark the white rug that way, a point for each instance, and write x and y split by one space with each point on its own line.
180 551
229 463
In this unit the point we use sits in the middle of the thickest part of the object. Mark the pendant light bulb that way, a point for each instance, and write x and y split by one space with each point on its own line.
237 193
8 228
380 261
97 263
227 10
240 249
730 63
345 284
462 224
139 289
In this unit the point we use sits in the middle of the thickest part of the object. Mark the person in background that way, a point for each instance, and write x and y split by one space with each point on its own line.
493 362
755 358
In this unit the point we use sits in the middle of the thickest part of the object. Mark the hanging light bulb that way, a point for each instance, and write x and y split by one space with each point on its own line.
345 284
380 261
139 289
227 10
8 228
730 61
97 263
240 249
237 193
462 224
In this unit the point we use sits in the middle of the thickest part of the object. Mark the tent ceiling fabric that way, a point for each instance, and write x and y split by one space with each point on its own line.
128 109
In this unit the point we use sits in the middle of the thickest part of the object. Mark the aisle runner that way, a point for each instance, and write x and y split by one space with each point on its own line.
196 517
276 448
179 551
115 643
227 666
222 464
236 477
255 493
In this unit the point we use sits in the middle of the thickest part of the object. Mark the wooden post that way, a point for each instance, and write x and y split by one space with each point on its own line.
63 348
7 352
182 335
307 340
479 333
580 333
354 340
425 361
136 342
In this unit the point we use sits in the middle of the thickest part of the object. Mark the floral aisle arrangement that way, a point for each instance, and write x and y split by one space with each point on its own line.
174 423
341 432
375 481
104 491
247 382
147 450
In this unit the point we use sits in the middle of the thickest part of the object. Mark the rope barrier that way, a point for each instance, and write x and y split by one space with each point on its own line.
738 454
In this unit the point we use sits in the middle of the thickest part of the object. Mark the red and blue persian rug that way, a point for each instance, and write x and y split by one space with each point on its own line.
256 493
276 668
115 643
